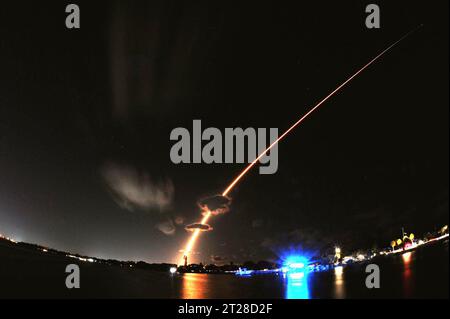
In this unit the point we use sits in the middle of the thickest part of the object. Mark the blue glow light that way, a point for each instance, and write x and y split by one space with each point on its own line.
244 272
296 268
297 275
297 285
295 263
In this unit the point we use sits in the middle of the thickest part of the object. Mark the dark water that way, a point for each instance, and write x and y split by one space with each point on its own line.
26 273
422 273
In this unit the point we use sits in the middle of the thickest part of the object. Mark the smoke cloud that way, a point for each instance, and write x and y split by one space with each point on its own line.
216 204
166 227
201 227
134 190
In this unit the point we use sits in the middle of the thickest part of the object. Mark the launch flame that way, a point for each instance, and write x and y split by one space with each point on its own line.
191 243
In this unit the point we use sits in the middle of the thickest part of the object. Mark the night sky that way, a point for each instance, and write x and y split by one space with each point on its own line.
86 113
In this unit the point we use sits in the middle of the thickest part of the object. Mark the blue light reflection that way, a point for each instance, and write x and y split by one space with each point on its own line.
297 285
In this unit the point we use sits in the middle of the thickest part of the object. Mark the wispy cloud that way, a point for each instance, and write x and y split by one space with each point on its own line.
135 190
166 227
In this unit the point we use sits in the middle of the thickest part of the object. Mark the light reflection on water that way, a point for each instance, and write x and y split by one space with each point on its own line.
294 285
195 286
339 287
408 274
297 285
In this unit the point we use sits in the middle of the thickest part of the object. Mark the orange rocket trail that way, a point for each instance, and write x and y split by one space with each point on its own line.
191 243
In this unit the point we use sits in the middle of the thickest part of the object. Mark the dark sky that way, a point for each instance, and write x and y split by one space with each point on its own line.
84 111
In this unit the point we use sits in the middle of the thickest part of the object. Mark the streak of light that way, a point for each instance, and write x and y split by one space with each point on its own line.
193 239
242 174
195 234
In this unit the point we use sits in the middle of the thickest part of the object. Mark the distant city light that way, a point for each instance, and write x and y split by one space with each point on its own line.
173 270
243 272
296 265
348 259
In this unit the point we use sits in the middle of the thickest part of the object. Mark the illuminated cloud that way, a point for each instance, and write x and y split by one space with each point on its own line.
201 227
134 190
166 227
216 204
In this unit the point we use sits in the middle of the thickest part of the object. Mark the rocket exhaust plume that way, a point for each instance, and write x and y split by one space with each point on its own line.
207 214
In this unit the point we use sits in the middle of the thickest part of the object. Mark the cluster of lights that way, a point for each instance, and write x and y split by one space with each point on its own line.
91 260
8 239
244 272
409 246
296 267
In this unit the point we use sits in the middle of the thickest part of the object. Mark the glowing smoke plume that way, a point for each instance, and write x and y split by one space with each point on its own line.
198 226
